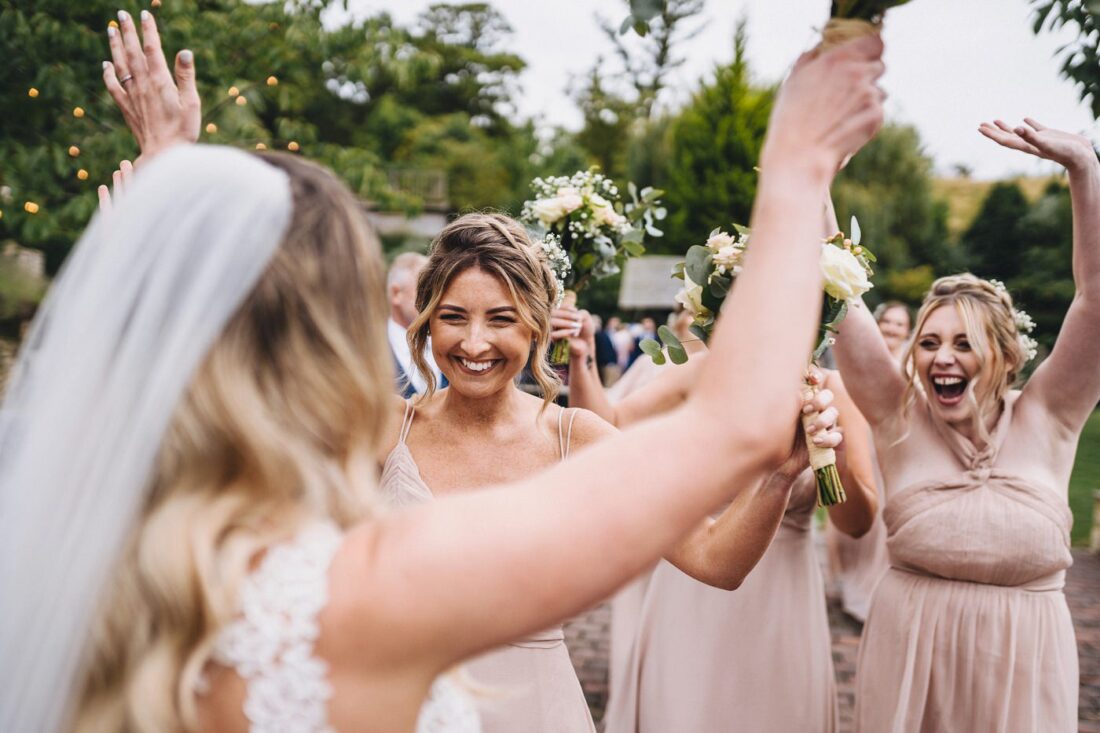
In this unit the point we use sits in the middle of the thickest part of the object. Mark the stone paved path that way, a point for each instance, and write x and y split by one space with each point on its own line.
587 636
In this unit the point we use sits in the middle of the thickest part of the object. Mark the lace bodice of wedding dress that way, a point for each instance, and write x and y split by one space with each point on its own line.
270 645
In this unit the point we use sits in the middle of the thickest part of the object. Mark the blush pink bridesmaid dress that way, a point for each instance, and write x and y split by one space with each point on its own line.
528 686
969 628
758 658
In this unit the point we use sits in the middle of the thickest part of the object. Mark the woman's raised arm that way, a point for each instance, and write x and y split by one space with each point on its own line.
502 563
1067 384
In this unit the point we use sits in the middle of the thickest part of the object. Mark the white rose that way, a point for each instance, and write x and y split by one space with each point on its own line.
569 199
605 215
720 241
691 297
845 278
549 211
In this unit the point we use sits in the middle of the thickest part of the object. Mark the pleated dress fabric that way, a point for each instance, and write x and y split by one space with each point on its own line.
856 564
528 686
969 628
707 660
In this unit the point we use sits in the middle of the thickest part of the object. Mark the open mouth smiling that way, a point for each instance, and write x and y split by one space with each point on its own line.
475 367
949 388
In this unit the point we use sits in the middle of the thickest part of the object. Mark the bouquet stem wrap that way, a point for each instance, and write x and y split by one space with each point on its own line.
559 353
839 31
830 491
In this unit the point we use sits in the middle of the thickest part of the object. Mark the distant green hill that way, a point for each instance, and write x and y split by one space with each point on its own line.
964 197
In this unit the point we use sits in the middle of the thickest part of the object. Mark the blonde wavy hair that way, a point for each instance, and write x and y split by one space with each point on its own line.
500 246
258 444
988 316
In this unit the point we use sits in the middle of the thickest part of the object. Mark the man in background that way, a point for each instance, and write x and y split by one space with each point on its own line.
401 290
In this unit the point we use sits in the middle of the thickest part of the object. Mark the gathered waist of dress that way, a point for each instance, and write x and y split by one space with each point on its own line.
547 639
1053 583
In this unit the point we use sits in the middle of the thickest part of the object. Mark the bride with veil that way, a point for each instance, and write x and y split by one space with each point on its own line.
189 535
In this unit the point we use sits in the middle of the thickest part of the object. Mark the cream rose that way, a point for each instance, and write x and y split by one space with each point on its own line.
845 278
549 211
720 241
569 199
605 215
691 297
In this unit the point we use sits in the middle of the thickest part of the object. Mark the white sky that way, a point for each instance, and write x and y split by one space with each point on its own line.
952 64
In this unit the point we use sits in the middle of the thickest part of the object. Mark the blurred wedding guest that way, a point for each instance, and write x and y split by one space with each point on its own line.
623 341
857 563
210 555
607 360
894 323
646 329
969 628
401 289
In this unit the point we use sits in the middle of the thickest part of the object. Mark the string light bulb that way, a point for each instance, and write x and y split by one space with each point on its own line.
234 91
272 81
74 151
82 174
78 112
112 24
30 207
32 93
261 146
241 101
155 3
293 146
211 128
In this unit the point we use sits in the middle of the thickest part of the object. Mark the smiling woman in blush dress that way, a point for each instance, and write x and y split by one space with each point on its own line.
969 628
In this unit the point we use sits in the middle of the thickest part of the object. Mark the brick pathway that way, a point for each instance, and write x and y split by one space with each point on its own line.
587 636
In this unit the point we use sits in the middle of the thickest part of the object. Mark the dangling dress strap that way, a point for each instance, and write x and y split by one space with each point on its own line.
565 436
407 421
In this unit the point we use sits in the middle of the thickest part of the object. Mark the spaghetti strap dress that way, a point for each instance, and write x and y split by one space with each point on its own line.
528 686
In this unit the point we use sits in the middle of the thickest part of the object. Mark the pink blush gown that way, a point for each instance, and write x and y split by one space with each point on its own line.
969 628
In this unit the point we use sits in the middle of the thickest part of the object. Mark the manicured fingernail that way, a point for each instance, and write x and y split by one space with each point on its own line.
106 65
123 16
186 56
111 31
819 440
146 16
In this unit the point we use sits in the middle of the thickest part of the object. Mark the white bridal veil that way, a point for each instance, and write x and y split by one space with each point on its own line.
141 299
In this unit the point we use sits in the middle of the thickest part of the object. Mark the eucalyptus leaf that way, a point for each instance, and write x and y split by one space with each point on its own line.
677 356
698 264
720 286
668 338
699 331
652 349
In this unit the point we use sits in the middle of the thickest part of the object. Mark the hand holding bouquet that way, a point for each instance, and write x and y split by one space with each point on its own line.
708 273
850 19
596 230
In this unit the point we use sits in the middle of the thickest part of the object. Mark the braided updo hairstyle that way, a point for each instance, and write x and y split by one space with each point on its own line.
500 246
987 313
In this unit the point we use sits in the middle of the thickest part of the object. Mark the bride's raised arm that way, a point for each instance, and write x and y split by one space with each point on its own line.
502 563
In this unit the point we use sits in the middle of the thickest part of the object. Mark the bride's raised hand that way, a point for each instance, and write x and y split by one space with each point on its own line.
1065 148
829 106
160 111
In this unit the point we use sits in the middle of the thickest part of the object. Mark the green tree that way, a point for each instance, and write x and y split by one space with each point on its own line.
1044 286
1081 57
715 146
994 242
887 186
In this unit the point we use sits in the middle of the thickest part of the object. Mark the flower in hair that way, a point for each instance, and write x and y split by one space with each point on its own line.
1025 324
557 260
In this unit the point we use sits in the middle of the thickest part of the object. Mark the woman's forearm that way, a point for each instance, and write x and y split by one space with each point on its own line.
722 552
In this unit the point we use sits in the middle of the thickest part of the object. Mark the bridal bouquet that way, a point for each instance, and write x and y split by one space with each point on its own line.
708 272
850 19
595 228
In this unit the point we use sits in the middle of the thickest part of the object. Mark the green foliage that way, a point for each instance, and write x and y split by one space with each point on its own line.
363 99
1085 479
20 293
1080 58
994 243
888 186
869 10
715 144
